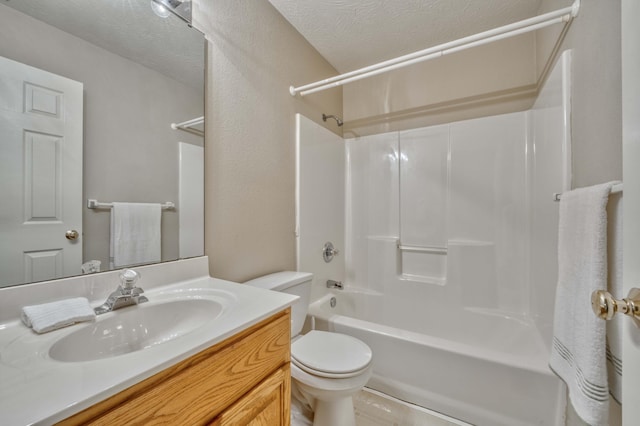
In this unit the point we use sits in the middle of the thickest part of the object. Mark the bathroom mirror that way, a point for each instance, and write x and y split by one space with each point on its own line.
112 76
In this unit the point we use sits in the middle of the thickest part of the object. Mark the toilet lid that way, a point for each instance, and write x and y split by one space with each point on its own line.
330 354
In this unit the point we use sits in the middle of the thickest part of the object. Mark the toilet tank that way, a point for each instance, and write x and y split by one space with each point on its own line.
296 283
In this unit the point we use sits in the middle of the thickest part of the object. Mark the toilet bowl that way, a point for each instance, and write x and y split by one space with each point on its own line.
327 368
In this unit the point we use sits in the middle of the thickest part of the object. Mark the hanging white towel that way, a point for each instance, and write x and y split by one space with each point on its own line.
578 354
614 326
135 234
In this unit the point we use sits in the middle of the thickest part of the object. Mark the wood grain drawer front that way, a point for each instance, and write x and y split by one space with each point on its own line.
268 404
198 389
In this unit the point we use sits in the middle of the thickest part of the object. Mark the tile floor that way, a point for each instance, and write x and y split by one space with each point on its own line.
376 409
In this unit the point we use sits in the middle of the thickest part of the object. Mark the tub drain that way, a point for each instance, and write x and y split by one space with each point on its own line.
333 302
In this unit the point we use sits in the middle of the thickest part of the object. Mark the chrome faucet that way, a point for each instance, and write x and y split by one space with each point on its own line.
127 293
335 284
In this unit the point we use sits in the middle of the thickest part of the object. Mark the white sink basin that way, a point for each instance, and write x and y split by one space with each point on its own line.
135 328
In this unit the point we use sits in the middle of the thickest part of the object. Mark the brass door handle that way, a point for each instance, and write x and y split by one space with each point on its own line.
605 306
72 235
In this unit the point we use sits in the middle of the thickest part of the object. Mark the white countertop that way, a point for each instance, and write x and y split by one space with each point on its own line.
36 389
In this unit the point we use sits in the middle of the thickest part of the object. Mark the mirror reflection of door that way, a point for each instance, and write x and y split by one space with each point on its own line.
41 122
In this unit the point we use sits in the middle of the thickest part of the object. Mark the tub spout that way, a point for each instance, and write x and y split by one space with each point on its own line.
335 284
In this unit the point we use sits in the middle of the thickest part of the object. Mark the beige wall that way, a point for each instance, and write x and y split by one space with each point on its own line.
596 113
128 156
254 55
487 80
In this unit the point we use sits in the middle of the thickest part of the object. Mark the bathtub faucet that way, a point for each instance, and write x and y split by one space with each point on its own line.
335 284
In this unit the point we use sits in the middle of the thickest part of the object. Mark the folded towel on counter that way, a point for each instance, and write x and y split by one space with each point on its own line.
54 315
578 353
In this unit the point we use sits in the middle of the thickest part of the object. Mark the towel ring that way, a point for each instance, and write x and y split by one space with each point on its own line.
605 306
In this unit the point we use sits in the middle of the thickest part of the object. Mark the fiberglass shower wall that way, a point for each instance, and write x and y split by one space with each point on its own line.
442 206
443 219
320 202
460 216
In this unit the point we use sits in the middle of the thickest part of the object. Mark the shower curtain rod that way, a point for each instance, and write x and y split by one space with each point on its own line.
186 126
565 15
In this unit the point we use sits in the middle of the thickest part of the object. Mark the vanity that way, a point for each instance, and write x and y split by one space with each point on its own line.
201 351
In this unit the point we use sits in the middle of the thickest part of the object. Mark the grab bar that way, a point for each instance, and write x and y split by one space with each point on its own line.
95 204
423 249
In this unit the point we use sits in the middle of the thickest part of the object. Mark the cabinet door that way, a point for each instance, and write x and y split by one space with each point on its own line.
268 404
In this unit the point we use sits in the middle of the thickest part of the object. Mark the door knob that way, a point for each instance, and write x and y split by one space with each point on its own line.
72 235
605 306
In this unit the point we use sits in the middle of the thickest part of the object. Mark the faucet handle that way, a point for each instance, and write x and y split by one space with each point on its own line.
129 278
328 252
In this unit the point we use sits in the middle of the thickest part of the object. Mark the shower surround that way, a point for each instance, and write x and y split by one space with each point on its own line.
450 269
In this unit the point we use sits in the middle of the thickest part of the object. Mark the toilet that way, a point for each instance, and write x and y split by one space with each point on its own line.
327 368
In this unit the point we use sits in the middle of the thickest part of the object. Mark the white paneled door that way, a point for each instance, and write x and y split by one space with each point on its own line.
41 120
631 204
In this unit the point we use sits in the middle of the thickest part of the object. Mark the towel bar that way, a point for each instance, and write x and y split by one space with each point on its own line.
95 204
617 188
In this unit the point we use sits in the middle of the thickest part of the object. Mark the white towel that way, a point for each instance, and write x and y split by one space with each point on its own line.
578 354
135 234
54 315
614 326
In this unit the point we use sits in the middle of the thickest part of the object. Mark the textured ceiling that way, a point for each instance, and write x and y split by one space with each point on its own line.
351 34
130 29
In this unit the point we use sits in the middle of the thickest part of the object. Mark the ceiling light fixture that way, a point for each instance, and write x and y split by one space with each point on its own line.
180 8
159 9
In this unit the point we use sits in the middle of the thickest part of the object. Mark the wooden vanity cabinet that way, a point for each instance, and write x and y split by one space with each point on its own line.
243 380
267 404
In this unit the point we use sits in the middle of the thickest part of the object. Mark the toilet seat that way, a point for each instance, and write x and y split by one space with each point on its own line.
330 355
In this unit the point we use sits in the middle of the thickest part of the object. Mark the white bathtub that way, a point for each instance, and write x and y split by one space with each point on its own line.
478 367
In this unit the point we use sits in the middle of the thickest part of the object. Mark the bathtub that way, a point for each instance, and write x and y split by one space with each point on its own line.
476 366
